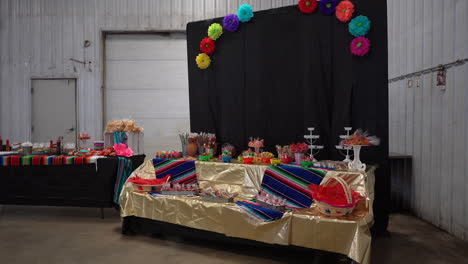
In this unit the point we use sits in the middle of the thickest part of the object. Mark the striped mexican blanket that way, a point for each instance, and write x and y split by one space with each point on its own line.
181 171
290 182
43 160
125 168
260 213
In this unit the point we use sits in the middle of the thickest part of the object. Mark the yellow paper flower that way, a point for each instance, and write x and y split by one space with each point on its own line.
215 31
203 61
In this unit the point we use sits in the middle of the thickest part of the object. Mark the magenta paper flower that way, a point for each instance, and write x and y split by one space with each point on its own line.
360 46
122 150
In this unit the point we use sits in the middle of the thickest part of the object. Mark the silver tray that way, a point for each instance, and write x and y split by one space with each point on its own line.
272 207
216 199
180 193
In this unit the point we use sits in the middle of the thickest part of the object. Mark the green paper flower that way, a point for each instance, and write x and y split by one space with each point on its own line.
215 31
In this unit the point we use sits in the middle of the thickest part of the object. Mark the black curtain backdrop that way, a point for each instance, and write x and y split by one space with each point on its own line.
285 71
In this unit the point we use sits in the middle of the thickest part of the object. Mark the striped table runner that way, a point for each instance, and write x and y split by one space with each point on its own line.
124 169
43 160
260 213
290 183
181 171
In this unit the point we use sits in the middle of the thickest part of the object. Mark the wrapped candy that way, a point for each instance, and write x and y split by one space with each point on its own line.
270 201
361 138
129 125
166 187
137 129
125 125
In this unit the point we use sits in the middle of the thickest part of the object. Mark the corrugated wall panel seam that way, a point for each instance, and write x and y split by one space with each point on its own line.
431 122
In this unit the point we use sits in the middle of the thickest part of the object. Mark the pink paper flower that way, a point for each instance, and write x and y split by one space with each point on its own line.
122 150
360 46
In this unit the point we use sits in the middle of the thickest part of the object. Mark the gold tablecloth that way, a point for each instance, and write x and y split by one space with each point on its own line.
241 178
348 235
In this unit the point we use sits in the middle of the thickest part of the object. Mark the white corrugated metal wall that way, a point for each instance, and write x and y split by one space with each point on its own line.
425 122
38 38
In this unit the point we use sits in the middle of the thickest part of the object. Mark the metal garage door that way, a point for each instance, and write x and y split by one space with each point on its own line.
147 80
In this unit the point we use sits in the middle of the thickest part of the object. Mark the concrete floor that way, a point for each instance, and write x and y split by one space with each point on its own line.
77 235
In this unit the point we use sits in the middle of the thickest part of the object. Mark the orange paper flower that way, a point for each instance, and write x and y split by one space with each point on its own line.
344 11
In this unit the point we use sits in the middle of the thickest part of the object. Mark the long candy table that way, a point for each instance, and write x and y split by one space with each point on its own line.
348 235
86 185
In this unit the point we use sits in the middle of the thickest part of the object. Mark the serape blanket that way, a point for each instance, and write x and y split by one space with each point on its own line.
260 213
125 168
181 171
120 137
290 183
44 160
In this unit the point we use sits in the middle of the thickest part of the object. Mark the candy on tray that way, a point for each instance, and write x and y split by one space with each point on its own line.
361 138
212 194
270 201
256 143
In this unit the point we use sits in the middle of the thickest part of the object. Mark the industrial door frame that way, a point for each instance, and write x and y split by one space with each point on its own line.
104 34
77 105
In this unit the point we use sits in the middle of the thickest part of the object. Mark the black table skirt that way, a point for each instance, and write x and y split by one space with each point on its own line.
62 185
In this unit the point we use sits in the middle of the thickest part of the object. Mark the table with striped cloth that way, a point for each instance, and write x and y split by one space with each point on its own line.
290 183
181 171
44 160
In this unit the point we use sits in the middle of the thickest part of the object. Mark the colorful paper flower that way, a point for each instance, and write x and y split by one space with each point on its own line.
207 46
203 61
360 46
245 13
231 22
344 11
359 26
215 31
328 7
307 6
122 150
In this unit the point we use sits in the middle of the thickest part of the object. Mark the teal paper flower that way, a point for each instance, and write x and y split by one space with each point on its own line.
245 13
359 26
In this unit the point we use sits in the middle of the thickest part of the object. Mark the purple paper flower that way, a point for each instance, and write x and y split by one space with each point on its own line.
231 22
328 7
360 46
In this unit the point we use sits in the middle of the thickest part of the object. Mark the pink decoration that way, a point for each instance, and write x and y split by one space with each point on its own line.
122 150
360 46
